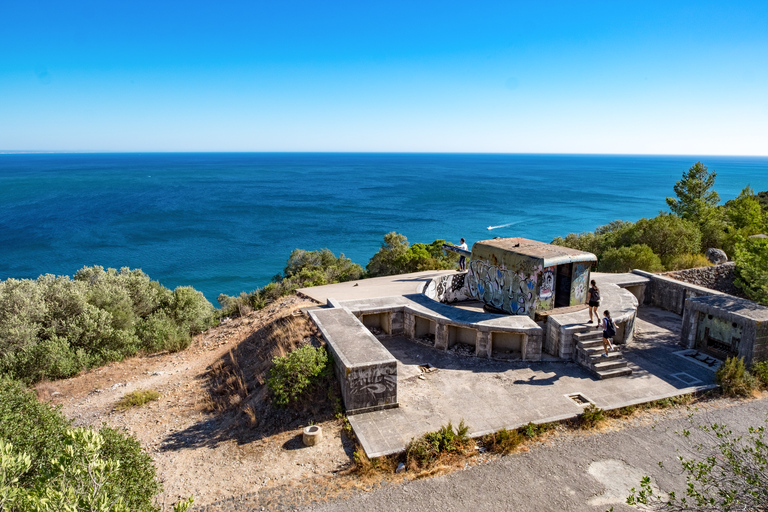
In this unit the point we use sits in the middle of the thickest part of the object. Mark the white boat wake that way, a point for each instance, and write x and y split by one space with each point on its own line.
502 225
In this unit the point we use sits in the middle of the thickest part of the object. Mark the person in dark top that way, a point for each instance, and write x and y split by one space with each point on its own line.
594 301
609 331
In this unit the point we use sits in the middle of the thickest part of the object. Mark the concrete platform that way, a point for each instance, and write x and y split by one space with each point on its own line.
387 286
489 395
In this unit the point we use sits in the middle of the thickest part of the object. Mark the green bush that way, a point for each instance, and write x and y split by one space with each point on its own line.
504 441
591 416
760 372
56 450
427 449
752 269
54 327
396 256
292 375
684 261
626 259
733 378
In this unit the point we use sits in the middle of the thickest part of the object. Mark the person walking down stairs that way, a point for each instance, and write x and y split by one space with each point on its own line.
609 331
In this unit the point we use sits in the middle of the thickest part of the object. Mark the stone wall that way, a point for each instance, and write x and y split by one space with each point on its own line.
716 277
667 293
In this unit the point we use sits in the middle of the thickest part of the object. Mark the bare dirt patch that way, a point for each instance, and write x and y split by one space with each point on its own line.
213 433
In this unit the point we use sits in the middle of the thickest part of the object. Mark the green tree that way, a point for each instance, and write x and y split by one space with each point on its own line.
625 259
396 256
695 194
751 259
667 235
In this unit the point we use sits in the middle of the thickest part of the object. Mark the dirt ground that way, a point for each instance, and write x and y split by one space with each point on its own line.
211 455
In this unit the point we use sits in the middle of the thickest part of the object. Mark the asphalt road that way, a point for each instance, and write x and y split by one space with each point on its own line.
583 472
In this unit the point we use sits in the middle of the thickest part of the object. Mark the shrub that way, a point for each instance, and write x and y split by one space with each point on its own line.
504 441
425 451
733 378
533 430
591 416
625 259
760 371
292 375
55 449
136 399
752 269
667 235
396 256
687 260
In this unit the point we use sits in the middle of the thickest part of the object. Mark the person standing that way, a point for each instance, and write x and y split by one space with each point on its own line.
594 301
462 259
609 331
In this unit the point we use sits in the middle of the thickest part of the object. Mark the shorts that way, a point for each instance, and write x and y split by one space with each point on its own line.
594 303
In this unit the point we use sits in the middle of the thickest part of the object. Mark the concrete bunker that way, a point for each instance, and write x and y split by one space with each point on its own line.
723 326
519 276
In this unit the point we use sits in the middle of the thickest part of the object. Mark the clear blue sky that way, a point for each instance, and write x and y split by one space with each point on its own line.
555 77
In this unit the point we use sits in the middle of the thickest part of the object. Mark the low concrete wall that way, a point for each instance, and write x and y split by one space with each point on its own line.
671 294
448 288
366 370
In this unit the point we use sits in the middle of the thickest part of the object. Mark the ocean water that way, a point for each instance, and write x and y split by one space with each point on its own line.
226 223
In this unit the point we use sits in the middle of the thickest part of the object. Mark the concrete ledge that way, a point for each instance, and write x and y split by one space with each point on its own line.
671 294
366 371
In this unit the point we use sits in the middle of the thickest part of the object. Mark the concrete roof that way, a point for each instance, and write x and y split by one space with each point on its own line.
734 306
550 254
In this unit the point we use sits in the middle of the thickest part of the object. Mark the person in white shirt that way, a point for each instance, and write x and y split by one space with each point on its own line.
462 259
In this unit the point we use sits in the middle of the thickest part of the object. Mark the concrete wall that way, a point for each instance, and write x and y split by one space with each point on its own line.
513 287
740 323
448 288
366 371
670 294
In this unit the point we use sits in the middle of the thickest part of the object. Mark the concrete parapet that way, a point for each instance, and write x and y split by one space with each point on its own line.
671 294
366 371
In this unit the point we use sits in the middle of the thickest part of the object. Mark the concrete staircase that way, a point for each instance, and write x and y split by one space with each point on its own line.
589 347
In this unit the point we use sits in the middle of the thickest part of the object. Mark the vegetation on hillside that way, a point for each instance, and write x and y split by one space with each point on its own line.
397 256
46 464
677 240
54 327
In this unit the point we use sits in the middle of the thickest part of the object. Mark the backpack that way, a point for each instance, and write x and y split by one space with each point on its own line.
610 330
594 295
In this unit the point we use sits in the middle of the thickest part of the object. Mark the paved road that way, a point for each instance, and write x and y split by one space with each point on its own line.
579 473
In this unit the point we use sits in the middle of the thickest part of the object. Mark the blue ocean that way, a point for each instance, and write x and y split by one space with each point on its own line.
227 222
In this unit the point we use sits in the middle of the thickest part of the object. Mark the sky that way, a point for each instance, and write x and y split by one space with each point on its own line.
623 77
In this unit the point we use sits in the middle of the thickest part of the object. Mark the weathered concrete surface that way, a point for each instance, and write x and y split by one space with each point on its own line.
579 473
671 294
743 325
490 395
366 371
387 286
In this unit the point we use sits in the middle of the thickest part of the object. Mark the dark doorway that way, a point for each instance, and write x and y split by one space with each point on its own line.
563 286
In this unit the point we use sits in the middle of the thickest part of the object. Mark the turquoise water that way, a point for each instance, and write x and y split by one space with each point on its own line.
226 223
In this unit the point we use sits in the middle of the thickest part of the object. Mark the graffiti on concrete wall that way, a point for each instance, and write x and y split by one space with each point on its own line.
448 288
372 385
579 283
514 290
547 293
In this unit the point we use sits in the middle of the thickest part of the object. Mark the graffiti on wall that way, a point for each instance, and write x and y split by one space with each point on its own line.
547 293
448 288
515 290
579 283
372 385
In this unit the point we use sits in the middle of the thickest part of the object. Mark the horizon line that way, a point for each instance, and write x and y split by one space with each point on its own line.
116 152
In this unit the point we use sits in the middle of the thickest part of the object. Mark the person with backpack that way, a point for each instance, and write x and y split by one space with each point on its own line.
609 331
594 301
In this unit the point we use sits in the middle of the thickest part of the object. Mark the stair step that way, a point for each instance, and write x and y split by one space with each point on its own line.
594 353
609 364
590 344
609 374
591 335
